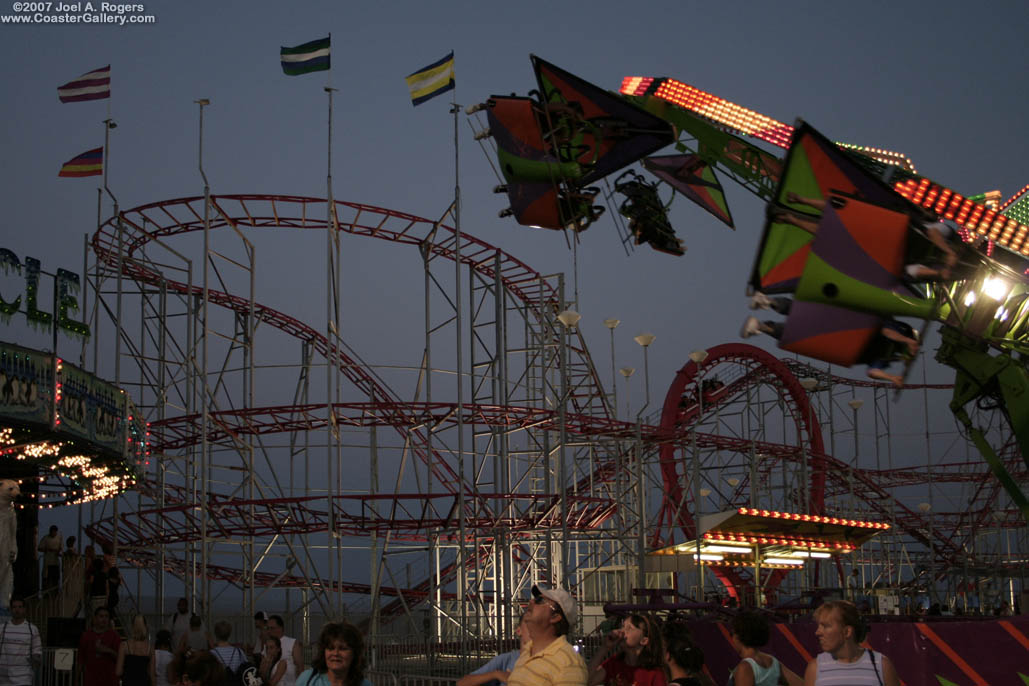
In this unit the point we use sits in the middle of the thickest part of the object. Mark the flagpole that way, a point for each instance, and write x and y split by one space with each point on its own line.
108 125
455 108
332 325
204 402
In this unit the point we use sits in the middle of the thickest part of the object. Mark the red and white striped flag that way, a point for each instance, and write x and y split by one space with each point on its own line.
96 85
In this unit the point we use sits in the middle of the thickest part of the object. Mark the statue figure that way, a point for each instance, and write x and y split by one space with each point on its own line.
9 491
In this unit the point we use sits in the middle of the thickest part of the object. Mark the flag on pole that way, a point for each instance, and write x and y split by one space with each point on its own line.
306 58
430 81
89 163
96 85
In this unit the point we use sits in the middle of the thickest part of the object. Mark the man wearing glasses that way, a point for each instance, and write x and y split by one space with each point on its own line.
548 659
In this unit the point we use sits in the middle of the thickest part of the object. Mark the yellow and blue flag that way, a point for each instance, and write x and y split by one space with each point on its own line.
430 81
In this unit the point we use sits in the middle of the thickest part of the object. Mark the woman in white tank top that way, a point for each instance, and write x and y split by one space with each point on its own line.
843 662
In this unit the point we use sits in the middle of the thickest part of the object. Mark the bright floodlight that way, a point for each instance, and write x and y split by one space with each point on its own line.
698 356
969 299
645 339
569 318
627 371
612 323
996 288
783 561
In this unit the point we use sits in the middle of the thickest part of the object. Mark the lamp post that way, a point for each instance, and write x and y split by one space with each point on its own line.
926 508
627 372
809 384
698 357
204 447
569 319
611 324
620 489
855 405
645 339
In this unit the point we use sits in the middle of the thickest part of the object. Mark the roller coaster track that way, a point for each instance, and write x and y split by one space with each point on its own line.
410 516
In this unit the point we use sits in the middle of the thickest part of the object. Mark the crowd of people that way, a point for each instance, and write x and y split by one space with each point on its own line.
646 651
642 649
185 654
81 583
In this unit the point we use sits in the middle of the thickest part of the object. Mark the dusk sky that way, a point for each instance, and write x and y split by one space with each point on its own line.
937 81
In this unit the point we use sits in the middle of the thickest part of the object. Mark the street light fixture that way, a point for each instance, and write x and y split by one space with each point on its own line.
569 318
645 339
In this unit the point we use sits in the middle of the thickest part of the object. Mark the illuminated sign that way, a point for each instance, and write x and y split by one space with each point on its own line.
66 285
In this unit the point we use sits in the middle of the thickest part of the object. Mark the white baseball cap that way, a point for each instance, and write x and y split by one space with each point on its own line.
560 596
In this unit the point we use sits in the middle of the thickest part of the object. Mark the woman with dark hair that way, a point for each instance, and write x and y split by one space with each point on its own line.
750 631
685 661
339 660
840 631
273 666
633 654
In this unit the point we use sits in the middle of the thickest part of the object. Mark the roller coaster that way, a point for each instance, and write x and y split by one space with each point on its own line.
425 512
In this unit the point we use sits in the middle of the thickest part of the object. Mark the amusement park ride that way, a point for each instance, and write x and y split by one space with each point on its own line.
534 477
846 273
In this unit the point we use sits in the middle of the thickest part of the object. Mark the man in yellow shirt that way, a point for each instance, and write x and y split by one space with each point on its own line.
548 659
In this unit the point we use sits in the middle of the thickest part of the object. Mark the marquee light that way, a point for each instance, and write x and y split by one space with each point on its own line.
736 117
818 519
924 193
1007 232
721 537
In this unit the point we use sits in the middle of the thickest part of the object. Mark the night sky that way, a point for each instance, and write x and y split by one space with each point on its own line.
936 81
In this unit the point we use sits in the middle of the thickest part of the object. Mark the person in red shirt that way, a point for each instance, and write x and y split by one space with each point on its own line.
98 651
630 656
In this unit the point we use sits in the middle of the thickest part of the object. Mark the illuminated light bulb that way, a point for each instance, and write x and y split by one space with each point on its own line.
996 288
